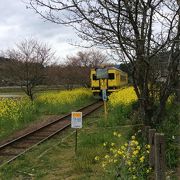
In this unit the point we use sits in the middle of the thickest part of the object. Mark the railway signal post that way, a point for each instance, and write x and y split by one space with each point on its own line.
76 122
104 97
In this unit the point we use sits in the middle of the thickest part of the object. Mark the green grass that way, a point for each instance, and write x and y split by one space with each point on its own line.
56 159
20 113
49 109
170 126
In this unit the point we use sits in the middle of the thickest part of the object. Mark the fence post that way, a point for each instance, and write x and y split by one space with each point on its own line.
152 147
159 156
145 133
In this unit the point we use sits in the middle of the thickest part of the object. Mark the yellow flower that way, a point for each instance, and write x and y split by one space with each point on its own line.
115 160
138 147
136 143
126 144
115 133
112 144
106 156
97 158
147 171
147 151
129 163
115 155
105 144
141 159
133 137
124 96
103 165
120 152
135 152
134 177
119 135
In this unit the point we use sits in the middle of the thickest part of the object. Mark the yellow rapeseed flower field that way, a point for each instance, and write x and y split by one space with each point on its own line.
64 97
13 113
16 112
124 96
11 109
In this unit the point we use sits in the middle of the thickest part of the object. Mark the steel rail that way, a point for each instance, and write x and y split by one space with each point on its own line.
36 140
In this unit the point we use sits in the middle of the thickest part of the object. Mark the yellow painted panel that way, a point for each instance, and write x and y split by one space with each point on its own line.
111 84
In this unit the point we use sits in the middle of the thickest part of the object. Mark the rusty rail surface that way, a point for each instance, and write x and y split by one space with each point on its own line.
15 148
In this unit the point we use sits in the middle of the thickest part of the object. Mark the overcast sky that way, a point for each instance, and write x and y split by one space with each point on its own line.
18 23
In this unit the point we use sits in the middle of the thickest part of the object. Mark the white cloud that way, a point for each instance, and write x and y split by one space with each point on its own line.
18 23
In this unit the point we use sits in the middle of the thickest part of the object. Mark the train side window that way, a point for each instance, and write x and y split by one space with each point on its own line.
94 77
111 75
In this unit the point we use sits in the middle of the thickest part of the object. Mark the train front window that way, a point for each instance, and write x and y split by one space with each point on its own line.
94 77
111 75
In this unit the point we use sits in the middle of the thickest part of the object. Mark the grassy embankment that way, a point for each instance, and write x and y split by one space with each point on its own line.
97 146
56 159
18 113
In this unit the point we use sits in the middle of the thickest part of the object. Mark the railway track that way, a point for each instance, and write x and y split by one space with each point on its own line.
15 148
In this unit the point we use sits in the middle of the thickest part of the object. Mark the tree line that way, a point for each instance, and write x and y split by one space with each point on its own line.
34 63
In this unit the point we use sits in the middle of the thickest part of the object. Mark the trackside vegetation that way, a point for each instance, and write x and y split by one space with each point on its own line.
18 113
111 148
92 138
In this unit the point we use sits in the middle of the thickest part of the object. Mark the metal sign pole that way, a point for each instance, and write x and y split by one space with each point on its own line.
104 97
76 141
105 109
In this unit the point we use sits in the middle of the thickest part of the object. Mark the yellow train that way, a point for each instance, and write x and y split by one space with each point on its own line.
109 79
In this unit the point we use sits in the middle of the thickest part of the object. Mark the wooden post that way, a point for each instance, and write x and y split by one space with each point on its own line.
145 133
159 156
152 147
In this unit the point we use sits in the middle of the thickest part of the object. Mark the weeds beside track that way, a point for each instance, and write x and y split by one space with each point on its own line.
15 148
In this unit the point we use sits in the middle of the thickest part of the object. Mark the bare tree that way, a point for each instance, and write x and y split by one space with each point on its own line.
27 64
91 58
137 30
78 66
76 69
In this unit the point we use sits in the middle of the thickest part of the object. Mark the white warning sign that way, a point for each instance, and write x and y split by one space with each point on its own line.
76 120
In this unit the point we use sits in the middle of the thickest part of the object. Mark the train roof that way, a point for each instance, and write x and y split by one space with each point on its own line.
111 67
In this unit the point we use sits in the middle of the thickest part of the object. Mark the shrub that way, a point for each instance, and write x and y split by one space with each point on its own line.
14 113
126 161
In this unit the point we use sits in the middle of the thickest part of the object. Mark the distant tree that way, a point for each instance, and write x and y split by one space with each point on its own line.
54 74
28 61
78 66
3 64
